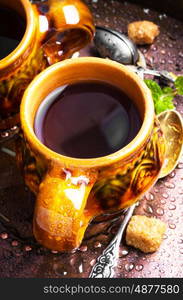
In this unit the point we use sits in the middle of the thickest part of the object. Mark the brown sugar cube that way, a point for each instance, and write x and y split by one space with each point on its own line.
145 233
143 32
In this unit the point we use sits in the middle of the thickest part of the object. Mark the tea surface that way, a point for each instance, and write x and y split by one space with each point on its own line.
12 29
87 120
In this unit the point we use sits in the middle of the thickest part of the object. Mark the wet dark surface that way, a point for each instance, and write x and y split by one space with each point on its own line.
21 256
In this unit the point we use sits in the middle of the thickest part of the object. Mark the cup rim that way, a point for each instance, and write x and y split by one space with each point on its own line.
137 143
27 37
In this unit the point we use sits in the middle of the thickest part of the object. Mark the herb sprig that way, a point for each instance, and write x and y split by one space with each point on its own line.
163 97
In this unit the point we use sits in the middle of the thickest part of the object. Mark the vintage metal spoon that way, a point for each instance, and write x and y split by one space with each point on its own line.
104 267
171 123
164 75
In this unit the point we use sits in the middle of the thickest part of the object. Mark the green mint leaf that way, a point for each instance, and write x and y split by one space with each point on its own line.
162 106
163 98
153 86
179 85
168 90
167 96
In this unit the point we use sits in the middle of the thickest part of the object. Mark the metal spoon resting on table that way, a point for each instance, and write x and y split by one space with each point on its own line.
171 124
104 267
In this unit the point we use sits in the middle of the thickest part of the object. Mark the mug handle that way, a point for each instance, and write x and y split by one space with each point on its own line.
64 27
60 218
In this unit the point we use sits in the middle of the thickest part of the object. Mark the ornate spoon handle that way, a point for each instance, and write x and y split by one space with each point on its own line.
104 267
168 76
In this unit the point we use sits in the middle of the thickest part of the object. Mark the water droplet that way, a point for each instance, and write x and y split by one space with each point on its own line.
4 134
160 211
162 201
97 245
163 52
165 195
172 199
28 248
14 243
80 268
150 197
92 262
169 214
172 175
165 236
162 16
124 252
149 272
162 271
146 11
154 48
72 261
73 251
172 226
180 166
148 209
181 192
169 185
180 241
163 61
59 269
14 128
83 248
180 54
139 268
181 251
129 267
4 236
107 19
172 207
115 21
156 190
54 251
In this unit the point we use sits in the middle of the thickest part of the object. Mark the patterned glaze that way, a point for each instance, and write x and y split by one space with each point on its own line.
71 192
55 30
116 187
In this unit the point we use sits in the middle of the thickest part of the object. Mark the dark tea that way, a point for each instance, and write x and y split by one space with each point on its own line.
12 29
87 120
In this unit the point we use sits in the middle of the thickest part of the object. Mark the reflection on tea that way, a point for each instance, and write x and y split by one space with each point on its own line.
12 29
87 120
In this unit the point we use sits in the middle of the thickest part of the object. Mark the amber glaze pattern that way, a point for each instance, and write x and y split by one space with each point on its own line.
55 29
116 188
71 192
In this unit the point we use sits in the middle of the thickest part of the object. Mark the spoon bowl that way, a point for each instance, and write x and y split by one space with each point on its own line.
172 126
116 46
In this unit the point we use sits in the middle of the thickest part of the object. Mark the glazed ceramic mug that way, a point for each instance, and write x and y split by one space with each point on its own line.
54 30
71 192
